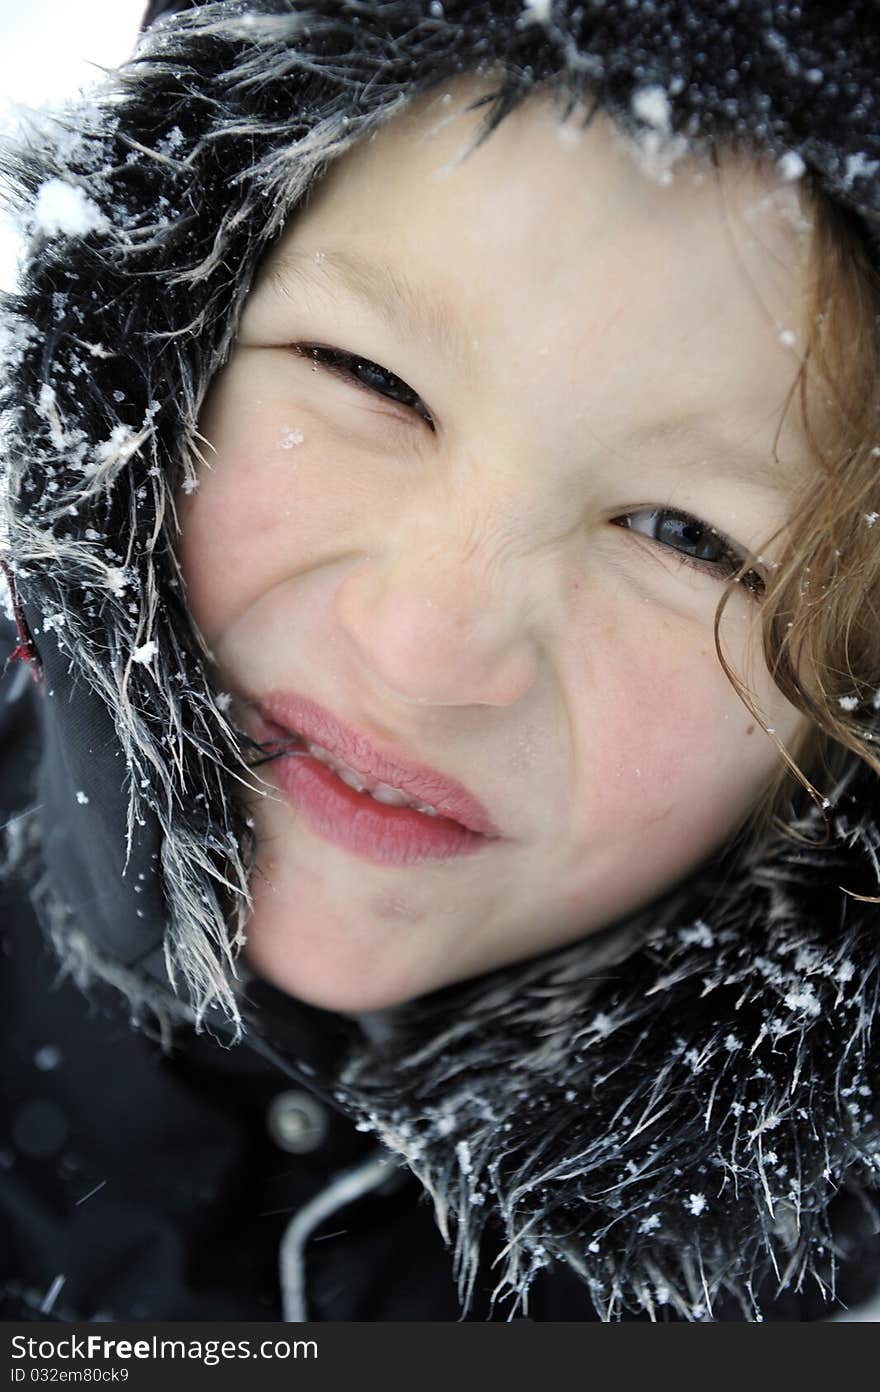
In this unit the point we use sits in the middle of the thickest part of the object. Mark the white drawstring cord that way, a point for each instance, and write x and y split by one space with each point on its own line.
348 1185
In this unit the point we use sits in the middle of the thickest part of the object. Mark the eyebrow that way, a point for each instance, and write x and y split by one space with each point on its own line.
699 430
414 313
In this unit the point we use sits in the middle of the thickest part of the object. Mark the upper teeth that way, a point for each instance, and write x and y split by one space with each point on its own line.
382 792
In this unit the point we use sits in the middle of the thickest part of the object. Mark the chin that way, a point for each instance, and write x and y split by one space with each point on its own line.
349 988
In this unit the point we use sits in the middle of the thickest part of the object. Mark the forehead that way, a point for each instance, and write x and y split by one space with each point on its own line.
536 164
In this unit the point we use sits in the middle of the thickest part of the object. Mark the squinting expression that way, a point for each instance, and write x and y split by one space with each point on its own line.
480 421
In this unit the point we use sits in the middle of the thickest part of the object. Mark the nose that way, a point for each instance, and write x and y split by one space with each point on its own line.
435 631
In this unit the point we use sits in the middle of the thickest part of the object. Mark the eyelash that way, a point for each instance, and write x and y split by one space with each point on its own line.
345 365
730 558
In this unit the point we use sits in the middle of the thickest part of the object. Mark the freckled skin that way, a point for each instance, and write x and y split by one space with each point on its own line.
465 595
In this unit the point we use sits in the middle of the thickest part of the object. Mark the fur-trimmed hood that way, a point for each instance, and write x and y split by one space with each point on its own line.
667 1108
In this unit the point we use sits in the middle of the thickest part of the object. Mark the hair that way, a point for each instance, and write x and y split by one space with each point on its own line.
820 629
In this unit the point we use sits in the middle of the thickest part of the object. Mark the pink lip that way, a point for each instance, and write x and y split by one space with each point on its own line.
420 782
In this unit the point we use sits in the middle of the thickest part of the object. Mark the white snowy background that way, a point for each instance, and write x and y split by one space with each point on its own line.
49 51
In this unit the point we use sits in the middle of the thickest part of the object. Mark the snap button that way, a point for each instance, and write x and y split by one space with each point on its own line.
296 1121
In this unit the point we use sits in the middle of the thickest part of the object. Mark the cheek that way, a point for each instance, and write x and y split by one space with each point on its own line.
236 527
674 747
667 772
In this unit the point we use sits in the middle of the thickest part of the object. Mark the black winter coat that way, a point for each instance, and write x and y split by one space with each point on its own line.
137 1184
140 1185
677 1118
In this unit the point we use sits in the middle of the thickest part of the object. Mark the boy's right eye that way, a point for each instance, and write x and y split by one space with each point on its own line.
363 373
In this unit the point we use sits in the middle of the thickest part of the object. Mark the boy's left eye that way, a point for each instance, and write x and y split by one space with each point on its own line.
695 543
364 373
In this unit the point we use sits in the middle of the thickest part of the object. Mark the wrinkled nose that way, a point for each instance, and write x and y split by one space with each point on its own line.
437 634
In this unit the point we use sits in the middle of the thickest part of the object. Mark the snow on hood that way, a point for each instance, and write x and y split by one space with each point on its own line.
667 1108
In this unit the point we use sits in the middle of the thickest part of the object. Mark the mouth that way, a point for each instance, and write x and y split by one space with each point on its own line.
383 776
351 805
380 792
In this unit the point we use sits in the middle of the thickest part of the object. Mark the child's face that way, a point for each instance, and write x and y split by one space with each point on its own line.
462 595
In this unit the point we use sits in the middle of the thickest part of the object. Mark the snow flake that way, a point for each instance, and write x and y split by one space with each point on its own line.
804 999
190 485
809 958
699 934
224 700
787 338
871 518
651 105
791 166
81 797
170 142
654 146
446 1122
534 11
463 1152
116 580
846 971
108 451
290 436
64 208
146 652
569 136
848 703
731 1043
47 407
650 1224
695 1204
602 1024
859 167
